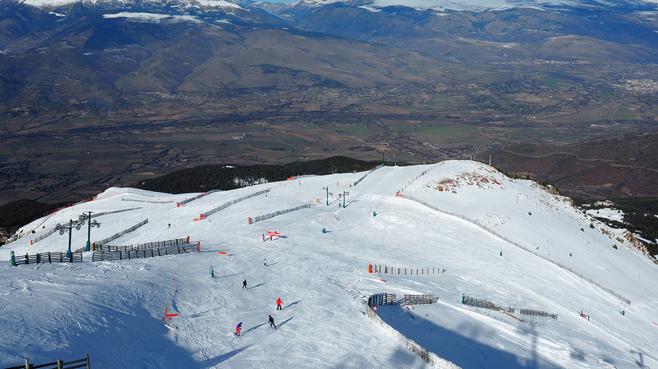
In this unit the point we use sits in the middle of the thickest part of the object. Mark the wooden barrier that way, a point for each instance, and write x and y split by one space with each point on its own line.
366 175
48 257
122 233
429 357
486 304
381 299
59 364
47 233
143 253
143 246
232 202
532 312
418 300
260 218
388 269
188 200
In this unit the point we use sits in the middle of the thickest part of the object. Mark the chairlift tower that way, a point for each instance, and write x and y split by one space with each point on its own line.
64 228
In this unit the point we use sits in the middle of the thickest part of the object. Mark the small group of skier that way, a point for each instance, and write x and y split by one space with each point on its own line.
270 320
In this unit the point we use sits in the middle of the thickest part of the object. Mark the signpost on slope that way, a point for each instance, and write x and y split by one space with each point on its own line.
327 188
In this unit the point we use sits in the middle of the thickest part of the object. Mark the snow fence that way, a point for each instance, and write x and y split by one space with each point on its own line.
148 201
411 181
43 235
232 202
96 215
486 304
181 203
429 357
388 269
365 175
145 246
125 231
49 257
260 218
494 233
143 253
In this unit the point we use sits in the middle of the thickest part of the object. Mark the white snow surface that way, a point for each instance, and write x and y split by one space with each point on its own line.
150 17
184 3
114 310
218 4
607 213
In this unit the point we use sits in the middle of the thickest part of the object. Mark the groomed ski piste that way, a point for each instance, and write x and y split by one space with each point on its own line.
507 241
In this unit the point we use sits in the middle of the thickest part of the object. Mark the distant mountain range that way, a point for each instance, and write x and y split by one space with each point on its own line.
476 5
177 83
368 4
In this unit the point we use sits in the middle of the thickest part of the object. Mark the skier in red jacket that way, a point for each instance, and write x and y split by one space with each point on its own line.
279 304
238 328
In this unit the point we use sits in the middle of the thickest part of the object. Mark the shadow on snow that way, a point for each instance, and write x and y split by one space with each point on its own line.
461 346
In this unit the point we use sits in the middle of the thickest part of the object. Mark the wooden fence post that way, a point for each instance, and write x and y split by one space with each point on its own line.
59 364
87 362
27 363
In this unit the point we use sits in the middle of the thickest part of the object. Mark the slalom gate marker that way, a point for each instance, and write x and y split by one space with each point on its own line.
169 315
31 243
250 221
272 234
369 268
198 246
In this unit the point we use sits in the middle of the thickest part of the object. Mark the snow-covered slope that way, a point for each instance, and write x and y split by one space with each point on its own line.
498 239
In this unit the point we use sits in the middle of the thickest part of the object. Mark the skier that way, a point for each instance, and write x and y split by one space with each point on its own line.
212 272
169 225
271 321
265 262
244 284
279 304
238 328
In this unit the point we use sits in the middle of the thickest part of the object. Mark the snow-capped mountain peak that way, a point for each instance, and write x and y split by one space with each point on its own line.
123 3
